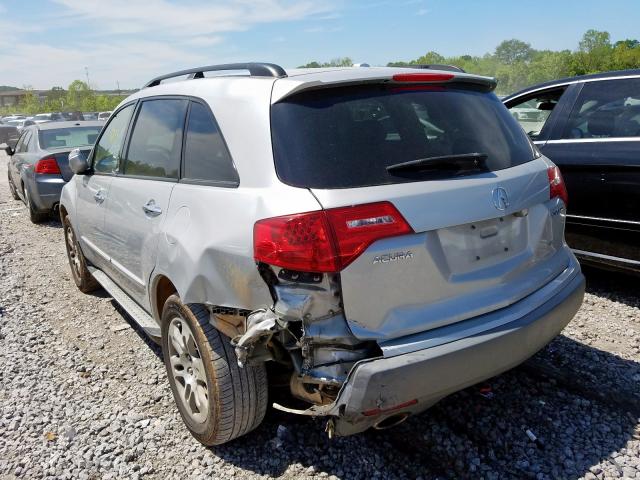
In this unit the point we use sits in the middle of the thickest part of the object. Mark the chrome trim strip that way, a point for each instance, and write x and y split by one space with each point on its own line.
588 80
127 273
595 140
632 222
95 248
606 257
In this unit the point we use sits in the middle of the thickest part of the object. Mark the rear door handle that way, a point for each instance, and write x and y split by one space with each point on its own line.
99 196
150 208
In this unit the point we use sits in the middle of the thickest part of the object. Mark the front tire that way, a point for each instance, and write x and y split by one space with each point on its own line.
218 400
79 271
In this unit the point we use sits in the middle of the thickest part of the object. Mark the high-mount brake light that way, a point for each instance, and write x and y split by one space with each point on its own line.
422 77
557 187
326 240
47 166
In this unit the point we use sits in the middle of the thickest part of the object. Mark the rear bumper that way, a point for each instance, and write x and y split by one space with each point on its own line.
46 190
419 379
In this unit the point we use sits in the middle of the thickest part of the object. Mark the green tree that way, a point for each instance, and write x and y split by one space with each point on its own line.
78 93
336 62
513 51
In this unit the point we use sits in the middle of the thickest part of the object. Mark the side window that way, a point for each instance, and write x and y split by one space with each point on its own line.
532 112
23 142
606 109
107 151
156 141
206 156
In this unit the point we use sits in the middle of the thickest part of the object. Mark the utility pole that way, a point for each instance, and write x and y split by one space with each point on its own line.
86 72
118 82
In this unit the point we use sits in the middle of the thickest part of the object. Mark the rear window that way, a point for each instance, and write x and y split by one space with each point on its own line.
347 137
68 137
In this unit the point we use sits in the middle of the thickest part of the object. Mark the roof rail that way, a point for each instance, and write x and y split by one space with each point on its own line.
256 69
437 66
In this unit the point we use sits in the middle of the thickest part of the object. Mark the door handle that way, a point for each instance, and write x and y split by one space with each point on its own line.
99 196
150 208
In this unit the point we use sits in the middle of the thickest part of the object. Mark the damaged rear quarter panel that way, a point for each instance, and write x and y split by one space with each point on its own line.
207 252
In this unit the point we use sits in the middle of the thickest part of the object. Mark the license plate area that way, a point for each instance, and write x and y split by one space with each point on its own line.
480 244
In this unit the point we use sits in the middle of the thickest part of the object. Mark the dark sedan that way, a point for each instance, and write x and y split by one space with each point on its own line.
590 127
39 165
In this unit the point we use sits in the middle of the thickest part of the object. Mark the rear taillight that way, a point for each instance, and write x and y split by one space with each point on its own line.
47 166
557 188
326 240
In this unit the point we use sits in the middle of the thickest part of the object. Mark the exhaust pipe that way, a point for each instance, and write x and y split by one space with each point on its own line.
392 421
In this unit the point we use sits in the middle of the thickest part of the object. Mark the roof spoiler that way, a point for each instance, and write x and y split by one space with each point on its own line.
256 69
437 66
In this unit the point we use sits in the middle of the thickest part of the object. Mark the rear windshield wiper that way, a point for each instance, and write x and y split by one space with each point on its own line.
462 161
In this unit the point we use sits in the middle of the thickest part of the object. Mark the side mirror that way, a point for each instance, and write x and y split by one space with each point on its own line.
9 150
78 161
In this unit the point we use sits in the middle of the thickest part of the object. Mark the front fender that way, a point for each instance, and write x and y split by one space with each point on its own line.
68 198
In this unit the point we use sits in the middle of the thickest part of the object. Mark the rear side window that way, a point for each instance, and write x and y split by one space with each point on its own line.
156 141
347 137
606 109
206 157
21 146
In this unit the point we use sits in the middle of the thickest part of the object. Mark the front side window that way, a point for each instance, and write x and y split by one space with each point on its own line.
533 112
606 109
107 150
156 141
206 157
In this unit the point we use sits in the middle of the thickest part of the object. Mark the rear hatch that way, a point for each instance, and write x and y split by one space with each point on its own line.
461 173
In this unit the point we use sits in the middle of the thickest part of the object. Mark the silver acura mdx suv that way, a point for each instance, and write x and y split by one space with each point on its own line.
377 237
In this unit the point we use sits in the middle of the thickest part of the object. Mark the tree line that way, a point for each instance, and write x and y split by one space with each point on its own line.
78 96
515 64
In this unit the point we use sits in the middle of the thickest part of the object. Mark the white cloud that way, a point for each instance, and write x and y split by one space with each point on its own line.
131 41
188 18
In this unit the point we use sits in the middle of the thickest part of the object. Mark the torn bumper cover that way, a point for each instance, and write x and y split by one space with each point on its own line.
261 325
409 383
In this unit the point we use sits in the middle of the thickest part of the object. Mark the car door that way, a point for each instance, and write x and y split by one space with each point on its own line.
597 149
139 197
16 160
93 189
22 160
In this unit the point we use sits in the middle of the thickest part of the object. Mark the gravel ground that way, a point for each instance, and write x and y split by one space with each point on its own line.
83 395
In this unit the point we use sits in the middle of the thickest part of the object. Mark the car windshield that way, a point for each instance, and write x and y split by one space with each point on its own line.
15 123
348 137
68 137
42 116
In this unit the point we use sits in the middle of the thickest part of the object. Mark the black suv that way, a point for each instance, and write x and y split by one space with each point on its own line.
590 127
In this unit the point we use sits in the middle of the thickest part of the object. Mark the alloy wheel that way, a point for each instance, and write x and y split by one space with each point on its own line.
72 248
187 369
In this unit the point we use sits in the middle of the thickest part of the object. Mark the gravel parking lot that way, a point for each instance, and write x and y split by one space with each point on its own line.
83 394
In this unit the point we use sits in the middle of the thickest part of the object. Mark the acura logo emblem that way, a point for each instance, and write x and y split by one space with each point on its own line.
500 198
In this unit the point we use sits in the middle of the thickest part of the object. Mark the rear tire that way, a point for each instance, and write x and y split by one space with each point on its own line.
79 271
12 188
34 215
218 400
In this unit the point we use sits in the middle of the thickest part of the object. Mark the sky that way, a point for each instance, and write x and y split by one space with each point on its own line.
46 43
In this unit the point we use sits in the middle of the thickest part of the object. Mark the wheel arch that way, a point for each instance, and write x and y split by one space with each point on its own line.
161 288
